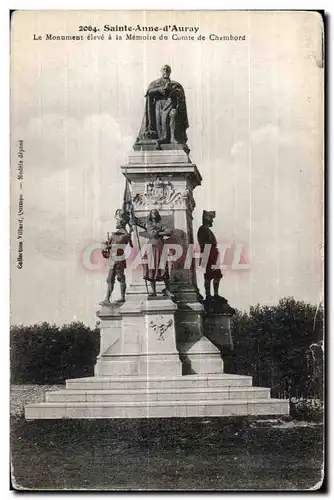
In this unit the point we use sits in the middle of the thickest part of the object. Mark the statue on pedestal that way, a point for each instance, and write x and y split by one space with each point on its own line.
165 118
155 232
206 237
113 247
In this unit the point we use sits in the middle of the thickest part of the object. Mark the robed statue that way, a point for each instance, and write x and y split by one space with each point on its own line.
155 269
165 118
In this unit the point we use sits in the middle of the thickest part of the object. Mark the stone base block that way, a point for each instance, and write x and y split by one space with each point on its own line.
109 366
205 363
143 365
159 383
218 330
156 364
201 357
156 157
156 409
184 394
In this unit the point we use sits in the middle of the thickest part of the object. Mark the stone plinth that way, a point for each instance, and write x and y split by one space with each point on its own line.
158 342
217 328
111 326
201 357
142 341
217 322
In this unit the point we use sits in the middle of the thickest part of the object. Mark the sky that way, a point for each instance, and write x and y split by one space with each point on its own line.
255 110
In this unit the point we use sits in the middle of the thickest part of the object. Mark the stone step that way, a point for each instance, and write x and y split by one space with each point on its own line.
156 409
129 382
151 158
176 394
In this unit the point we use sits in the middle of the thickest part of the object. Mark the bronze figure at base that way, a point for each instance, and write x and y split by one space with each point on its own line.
111 249
206 237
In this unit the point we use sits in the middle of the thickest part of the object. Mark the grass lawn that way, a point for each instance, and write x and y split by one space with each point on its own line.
176 454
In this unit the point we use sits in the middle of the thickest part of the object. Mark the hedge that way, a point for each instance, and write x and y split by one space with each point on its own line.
48 354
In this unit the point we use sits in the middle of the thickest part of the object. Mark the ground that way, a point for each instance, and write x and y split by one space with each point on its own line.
162 454
21 395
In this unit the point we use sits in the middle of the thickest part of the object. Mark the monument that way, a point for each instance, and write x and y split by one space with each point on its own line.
161 350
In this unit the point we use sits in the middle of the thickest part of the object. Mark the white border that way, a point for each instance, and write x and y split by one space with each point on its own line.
4 171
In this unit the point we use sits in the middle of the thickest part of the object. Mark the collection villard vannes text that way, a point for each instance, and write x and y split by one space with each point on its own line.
146 30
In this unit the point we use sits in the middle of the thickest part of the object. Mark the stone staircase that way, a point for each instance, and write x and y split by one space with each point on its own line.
216 395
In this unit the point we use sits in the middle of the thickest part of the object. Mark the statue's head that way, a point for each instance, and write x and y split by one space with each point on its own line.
154 216
207 217
121 218
166 71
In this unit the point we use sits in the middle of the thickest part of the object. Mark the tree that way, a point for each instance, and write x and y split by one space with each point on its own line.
272 343
47 354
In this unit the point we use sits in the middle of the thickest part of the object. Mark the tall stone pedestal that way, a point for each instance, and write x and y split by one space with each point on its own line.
217 322
146 343
155 360
165 180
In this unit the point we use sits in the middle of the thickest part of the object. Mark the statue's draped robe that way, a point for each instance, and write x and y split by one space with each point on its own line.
152 271
165 105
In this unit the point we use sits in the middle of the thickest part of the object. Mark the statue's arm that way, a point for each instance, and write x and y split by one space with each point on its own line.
158 89
135 221
202 237
129 240
106 248
165 232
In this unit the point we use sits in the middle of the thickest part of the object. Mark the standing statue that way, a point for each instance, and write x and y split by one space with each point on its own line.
206 237
111 248
155 233
165 117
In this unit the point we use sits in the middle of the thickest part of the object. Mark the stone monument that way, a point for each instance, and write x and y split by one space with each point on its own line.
161 350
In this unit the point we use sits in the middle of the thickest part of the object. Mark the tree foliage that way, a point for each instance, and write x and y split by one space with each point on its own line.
48 354
272 343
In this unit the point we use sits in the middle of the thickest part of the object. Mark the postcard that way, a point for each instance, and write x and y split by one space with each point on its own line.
167 199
